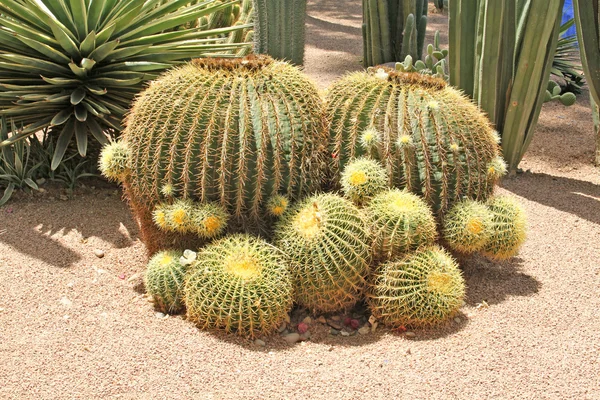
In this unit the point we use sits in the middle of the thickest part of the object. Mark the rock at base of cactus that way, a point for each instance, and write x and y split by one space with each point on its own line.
362 179
114 161
509 228
401 222
164 281
468 226
327 242
239 284
421 289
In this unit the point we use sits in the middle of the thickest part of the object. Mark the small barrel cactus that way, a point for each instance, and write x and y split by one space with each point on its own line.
421 289
230 131
401 222
239 284
164 280
509 228
114 161
277 205
432 140
209 220
468 226
328 246
362 179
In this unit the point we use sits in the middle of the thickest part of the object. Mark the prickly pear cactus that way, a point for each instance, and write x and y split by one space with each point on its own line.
401 222
468 226
509 228
232 131
431 139
327 243
239 284
422 289
362 179
164 279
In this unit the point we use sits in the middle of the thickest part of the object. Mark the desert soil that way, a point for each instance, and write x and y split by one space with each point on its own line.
73 325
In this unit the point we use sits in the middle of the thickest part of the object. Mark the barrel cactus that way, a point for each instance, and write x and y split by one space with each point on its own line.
468 226
421 289
509 228
164 279
327 243
114 161
239 284
401 222
362 179
231 131
431 139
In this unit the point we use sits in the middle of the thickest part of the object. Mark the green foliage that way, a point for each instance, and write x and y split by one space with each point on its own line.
279 29
435 63
209 220
114 161
554 93
432 139
392 30
587 21
509 228
75 66
468 226
239 284
401 222
164 279
362 179
567 62
501 55
327 243
421 289
235 132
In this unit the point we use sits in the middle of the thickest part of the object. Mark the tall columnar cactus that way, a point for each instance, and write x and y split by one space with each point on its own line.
326 240
239 284
430 138
501 55
392 30
235 132
420 289
587 20
164 279
279 29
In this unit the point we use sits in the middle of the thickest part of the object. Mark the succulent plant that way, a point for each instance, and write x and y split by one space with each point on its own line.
435 63
421 289
279 29
554 92
114 161
468 226
235 132
509 228
401 222
164 280
362 179
432 140
209 220
239 284
75 66
277 205
179 216
393 29
327 243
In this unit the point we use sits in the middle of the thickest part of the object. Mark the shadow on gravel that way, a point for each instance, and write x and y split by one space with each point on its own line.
573 196
494 281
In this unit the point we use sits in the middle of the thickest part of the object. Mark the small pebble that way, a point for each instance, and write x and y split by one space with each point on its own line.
307 320
345 333
364 330
321 320
99 253
282 327
70 284
260 343
292 338
133 277
159 315
336 318
335 325
410 334
305 336
374 326
457 320
334 332
354 324
122 276
63 197
302 328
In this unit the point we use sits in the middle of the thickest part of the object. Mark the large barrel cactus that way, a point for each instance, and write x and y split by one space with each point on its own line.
235 132
431 139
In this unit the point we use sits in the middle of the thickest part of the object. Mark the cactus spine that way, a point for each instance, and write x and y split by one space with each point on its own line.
401 222
279 29
468 226
362 179
393 29
239 284
501 55
433 140
421 289
164 279
234 132
114 161
327 243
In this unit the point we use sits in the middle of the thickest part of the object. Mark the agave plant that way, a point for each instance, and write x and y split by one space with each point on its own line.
75 65
567 63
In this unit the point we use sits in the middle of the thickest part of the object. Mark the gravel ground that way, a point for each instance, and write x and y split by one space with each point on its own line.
76 326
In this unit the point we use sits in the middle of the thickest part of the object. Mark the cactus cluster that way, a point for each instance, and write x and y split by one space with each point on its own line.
435 63
184 216
327 242
164 280
239 284
431 139
393 29
362 179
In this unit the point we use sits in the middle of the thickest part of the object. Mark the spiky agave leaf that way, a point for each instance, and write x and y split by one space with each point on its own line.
76 65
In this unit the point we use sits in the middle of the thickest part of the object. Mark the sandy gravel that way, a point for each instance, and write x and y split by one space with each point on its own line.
75 326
